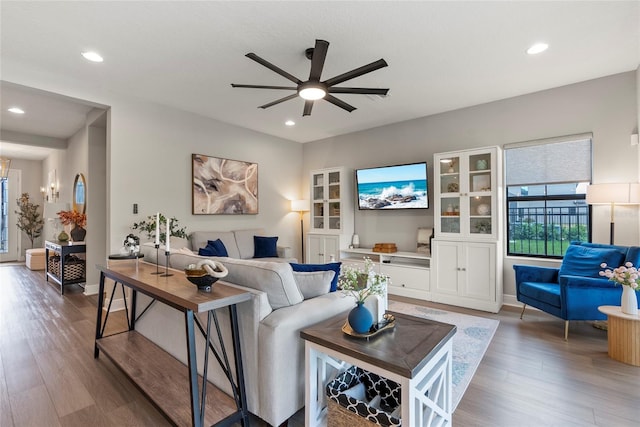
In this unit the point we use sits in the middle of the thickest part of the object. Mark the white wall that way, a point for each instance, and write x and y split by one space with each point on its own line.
606 106
31 177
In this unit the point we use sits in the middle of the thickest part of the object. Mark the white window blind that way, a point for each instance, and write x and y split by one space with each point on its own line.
549 161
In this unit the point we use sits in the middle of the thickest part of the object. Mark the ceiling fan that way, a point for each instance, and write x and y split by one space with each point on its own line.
314 89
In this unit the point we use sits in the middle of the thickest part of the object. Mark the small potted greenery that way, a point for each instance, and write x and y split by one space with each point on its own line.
148 227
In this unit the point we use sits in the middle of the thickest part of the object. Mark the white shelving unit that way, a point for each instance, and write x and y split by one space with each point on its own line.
409 271
332 207
468 229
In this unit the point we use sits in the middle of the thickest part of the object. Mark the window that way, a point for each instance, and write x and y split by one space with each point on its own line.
546 183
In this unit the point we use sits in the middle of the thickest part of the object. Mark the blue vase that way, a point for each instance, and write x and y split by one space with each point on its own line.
360 319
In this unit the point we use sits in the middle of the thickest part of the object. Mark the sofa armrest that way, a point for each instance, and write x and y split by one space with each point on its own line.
285 252
534 273
585 282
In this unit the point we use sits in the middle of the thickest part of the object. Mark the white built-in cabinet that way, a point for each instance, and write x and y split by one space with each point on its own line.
331 216
468 228
409 272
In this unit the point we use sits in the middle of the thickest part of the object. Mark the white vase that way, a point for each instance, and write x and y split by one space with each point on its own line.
629 301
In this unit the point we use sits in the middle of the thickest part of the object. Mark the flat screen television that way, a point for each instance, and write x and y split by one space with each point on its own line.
393 187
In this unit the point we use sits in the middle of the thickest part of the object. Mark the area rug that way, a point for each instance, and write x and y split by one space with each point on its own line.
470 342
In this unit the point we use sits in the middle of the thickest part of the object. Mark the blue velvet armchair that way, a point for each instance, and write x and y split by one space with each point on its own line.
575 290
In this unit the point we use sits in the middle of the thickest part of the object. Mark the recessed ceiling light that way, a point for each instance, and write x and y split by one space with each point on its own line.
290 123
16 110
537 48
92 56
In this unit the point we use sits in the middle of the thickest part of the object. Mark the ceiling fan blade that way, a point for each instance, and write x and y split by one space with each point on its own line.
308 105
317 59
335 101
264 87
278 101
273 68
358 90
380 63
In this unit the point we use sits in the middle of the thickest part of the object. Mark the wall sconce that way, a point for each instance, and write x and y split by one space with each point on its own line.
43 191
55 193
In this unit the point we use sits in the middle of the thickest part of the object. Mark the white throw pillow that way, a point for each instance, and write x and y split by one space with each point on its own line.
314 283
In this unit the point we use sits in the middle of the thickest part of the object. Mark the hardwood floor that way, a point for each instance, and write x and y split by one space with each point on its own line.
529 376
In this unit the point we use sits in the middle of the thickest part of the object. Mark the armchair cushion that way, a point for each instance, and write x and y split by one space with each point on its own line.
548 293
585 261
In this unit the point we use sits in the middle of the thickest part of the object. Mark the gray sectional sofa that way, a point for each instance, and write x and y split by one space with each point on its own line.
272 350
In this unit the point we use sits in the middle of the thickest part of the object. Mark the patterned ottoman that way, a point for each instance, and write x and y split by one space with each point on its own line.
35 258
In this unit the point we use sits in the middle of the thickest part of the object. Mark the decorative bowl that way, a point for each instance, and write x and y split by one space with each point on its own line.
201 278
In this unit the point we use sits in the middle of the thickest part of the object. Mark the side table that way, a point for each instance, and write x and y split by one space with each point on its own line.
416 355
64 249
623 336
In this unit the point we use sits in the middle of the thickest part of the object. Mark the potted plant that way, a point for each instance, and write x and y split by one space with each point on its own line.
628 277
148 226
361 284
29 219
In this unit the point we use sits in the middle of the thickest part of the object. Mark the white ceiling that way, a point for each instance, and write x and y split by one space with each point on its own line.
442 55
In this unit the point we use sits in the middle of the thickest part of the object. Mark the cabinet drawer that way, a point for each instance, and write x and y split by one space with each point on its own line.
407 276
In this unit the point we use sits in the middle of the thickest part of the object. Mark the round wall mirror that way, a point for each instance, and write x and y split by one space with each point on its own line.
80 194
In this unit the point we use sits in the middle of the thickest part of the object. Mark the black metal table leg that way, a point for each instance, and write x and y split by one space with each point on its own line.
99 318
193 369
237 351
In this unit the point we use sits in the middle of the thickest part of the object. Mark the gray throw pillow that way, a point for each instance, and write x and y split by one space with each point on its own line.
313 284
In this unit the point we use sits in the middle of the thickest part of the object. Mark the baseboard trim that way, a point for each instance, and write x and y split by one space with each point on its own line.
511 300
116 305
91 289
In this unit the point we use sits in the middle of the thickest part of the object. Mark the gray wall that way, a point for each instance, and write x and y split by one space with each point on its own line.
606 106
31 176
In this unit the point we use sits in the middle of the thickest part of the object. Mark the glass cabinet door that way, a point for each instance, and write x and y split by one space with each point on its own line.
326 188
480 196
450 194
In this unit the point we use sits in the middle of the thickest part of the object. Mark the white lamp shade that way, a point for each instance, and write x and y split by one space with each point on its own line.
51 209
4 167
618 193
300 205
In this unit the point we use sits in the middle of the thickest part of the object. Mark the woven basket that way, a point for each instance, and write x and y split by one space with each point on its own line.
74 270
53 265
338 416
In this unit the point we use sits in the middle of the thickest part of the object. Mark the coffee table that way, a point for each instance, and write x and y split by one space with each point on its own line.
416 355
623 336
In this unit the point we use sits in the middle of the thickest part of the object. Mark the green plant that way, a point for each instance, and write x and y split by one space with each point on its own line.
361 283
29 219
148 226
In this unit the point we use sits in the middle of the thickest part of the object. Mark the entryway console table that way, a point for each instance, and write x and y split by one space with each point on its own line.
184 397
62 270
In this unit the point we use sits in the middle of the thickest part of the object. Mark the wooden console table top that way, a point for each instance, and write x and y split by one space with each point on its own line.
176 290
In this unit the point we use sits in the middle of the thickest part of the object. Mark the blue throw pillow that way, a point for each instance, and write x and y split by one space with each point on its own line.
585 261
213 248
332 266
265 247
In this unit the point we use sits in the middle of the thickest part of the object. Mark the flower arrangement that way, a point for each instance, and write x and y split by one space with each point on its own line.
362 283
132 244
72 217
625 275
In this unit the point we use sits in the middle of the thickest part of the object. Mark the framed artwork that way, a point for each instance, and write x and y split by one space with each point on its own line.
223 186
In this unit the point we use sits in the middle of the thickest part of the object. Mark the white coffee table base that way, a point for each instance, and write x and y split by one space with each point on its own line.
426 398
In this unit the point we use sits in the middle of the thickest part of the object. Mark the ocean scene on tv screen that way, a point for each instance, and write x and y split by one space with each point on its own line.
393 187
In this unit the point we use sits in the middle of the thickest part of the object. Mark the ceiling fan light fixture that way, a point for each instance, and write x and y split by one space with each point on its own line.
312 91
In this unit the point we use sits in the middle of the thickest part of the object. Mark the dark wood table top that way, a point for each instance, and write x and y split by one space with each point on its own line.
404 350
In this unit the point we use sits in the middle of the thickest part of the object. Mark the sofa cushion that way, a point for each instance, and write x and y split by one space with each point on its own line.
585 261
332 266
273 278
214 248
244 240
200 239
549 293
313 283
265 247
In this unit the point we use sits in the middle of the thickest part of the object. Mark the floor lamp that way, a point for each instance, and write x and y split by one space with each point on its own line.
301 206
613 194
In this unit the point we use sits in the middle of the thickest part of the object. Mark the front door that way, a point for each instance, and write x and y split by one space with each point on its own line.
9 233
